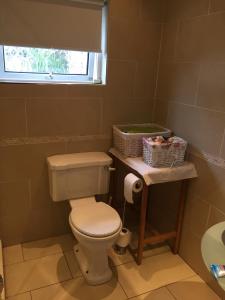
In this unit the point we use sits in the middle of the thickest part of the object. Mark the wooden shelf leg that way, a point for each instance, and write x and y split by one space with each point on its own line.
142 224
180 216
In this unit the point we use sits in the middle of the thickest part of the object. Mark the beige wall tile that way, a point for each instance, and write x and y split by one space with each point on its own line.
145 80
122 40
46 222
192 288
76 110
14 163
197 213
14 196
45 247
186 9
13 227
47 90
85 90
165 269
153 10
222 154
25 161
160 112
217 5
148 36
35 274
12 117
126 9
190 250
24 296
211 87
209 185
36 157
178 82
160 294
89 145
12 255
119 110
120 78
78 289
203 129
216 216
39 192
68 116
201 39
61 213
170 30
14 90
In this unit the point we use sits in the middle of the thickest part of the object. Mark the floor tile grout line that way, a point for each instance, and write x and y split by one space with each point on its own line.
36 258
22 252
166 286
122 287
67 263
45 286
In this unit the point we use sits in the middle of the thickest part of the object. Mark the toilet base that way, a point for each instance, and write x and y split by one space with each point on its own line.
94 273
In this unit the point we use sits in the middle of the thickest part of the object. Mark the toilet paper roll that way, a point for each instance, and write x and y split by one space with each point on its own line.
132 184
124 238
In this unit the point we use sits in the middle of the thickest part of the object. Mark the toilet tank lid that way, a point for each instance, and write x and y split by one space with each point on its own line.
78 160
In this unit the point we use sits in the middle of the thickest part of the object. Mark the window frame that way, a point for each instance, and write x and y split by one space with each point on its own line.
92 77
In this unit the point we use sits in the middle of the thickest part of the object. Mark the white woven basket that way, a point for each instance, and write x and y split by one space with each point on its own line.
130 144
164 155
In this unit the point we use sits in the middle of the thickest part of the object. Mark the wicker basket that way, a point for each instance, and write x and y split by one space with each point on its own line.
130 144
164 155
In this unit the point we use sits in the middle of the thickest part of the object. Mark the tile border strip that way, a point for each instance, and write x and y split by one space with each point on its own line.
49 139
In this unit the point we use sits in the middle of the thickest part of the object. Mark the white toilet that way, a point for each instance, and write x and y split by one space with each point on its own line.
78 178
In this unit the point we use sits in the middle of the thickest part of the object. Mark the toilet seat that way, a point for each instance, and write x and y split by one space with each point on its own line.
96 220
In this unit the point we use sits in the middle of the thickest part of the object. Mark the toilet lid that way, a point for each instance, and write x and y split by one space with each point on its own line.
97 220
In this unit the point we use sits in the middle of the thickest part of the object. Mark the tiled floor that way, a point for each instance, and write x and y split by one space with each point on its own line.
47 270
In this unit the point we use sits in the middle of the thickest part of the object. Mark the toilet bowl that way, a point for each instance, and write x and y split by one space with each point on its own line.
96 226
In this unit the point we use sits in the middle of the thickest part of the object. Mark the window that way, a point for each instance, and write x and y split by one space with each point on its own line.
53 41
28 64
